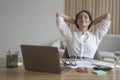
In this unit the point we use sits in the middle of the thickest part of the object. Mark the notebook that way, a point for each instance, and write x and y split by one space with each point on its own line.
42 59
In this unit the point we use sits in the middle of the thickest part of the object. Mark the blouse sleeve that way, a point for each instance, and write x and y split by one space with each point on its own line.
63 27
102 29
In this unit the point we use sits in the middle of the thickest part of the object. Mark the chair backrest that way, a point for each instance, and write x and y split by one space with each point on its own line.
65 55
110 43
97 56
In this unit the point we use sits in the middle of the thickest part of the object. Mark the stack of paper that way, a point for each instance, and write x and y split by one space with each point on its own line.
86 64
101 63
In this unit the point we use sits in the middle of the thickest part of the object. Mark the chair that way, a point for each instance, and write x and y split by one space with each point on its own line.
65 55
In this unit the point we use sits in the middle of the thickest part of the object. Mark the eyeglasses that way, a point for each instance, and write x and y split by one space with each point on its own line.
71 61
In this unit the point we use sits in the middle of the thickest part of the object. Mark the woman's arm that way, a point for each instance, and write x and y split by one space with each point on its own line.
106 16
65 17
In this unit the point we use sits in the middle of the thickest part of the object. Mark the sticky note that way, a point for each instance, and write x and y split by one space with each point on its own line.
99 72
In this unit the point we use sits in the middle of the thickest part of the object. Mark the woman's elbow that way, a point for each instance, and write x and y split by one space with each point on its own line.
57 14
108 16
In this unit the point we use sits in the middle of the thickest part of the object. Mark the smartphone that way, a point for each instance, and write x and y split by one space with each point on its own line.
104 68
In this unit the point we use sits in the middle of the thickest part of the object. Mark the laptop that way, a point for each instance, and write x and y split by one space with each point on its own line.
42 59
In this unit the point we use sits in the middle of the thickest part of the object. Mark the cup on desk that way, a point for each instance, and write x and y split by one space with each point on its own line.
12 59
117 58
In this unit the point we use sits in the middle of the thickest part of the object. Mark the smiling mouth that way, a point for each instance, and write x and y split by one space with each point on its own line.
82 22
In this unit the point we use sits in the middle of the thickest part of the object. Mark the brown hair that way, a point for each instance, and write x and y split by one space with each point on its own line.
88 13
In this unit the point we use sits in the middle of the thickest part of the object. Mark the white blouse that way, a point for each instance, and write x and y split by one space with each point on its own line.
82 45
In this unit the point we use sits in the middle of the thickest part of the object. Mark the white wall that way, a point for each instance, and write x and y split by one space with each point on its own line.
28 22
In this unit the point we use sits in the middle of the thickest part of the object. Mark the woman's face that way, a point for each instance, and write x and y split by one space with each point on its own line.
83 20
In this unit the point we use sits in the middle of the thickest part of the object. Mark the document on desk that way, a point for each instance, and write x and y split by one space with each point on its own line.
108 64
86 64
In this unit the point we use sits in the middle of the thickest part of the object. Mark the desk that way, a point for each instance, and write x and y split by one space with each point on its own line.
21 74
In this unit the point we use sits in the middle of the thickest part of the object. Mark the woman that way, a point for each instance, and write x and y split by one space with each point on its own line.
82 43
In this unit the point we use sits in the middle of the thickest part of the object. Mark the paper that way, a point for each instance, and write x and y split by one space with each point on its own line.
86 64
106 64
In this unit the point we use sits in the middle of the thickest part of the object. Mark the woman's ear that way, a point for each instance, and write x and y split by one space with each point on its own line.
91 23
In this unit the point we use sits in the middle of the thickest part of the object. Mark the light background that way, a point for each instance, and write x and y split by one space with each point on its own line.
28 22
